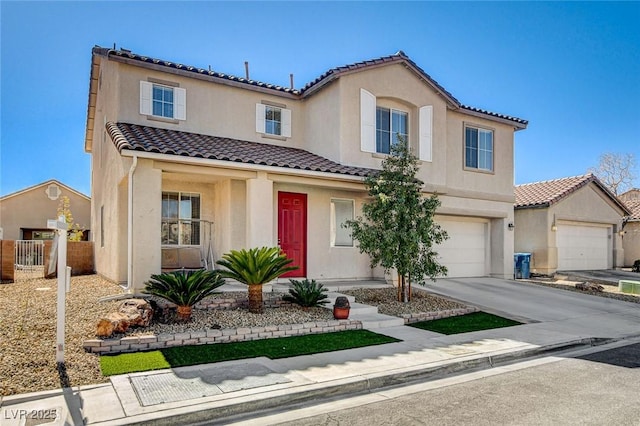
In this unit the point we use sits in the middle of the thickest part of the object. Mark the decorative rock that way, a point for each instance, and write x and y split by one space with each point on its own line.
589 287
132 312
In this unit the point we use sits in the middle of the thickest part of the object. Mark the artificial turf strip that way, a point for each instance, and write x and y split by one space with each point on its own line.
132 363
465 323
281 347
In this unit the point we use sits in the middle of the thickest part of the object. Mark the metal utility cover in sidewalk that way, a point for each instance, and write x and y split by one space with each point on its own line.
199 383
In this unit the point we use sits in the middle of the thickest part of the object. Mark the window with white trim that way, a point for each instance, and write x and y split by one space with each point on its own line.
180 218
163 101
341 211
478 148
273 120
390 125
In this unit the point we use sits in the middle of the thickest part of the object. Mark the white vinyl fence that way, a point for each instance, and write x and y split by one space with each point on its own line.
29 259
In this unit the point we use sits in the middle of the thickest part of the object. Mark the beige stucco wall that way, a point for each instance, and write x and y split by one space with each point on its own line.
394 87
212 109
326 123
631 242
325 262
533 235
589 204
32 208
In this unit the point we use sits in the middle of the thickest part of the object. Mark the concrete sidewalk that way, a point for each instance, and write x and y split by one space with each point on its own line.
214 392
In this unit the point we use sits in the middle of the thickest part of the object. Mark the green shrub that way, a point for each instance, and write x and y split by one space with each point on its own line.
185 289
308 294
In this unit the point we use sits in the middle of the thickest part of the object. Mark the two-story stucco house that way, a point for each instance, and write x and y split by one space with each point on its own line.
188 157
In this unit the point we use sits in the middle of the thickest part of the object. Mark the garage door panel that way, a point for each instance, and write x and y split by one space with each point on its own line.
583 247
464 253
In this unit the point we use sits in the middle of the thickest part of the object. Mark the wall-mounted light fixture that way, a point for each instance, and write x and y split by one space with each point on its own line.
510 225
554 227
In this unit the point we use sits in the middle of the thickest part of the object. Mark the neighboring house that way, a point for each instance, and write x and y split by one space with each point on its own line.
631 227
188 157
24 214
568 224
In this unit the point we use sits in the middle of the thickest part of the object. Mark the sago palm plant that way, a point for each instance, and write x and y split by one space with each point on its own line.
255 267
307 294
185 289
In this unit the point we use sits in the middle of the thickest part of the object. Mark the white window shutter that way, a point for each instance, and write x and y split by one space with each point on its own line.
146 90
286 122
367 121
426 132
260 114
180 103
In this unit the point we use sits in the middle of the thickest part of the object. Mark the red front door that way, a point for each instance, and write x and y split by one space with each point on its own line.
292 230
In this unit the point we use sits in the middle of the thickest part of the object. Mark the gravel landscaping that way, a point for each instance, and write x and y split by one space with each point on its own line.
28 318
610 290
386 300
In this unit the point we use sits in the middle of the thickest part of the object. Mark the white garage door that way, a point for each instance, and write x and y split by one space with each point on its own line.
583 247
464 253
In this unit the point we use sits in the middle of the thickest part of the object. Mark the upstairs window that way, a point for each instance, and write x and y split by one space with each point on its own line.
380 127
390 125
478 152
273 120
163 101
180 218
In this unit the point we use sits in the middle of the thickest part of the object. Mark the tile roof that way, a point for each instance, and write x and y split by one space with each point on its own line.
151 139
398 57
543 194
127 54
634 207
546 193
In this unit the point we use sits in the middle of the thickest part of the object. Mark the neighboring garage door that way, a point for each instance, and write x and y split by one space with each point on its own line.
465 252
583 247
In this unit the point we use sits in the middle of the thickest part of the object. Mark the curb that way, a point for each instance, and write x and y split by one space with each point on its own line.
225 411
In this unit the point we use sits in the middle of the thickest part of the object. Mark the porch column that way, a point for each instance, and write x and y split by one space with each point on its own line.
502 241
260 212
147 217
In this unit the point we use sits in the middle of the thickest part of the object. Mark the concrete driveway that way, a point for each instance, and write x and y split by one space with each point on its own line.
545 309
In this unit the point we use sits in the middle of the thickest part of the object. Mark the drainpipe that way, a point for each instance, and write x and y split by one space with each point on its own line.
130 226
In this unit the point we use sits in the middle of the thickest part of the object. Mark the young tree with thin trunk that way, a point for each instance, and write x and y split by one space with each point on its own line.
64 209
396 228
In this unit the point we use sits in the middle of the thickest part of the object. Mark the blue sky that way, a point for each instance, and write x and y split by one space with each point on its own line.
571 68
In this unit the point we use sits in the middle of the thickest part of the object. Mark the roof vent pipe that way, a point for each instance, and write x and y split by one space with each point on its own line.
291 80
246 69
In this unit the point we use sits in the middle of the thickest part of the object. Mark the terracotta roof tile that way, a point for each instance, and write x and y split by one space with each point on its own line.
546 193
172 142
543 194
634 206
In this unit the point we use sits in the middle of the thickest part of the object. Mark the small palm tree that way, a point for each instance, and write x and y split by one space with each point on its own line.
255 267
185 289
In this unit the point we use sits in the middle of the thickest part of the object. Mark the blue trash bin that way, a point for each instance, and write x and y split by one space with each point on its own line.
521 265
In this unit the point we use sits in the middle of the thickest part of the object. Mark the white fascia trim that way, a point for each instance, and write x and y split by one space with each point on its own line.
242 166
